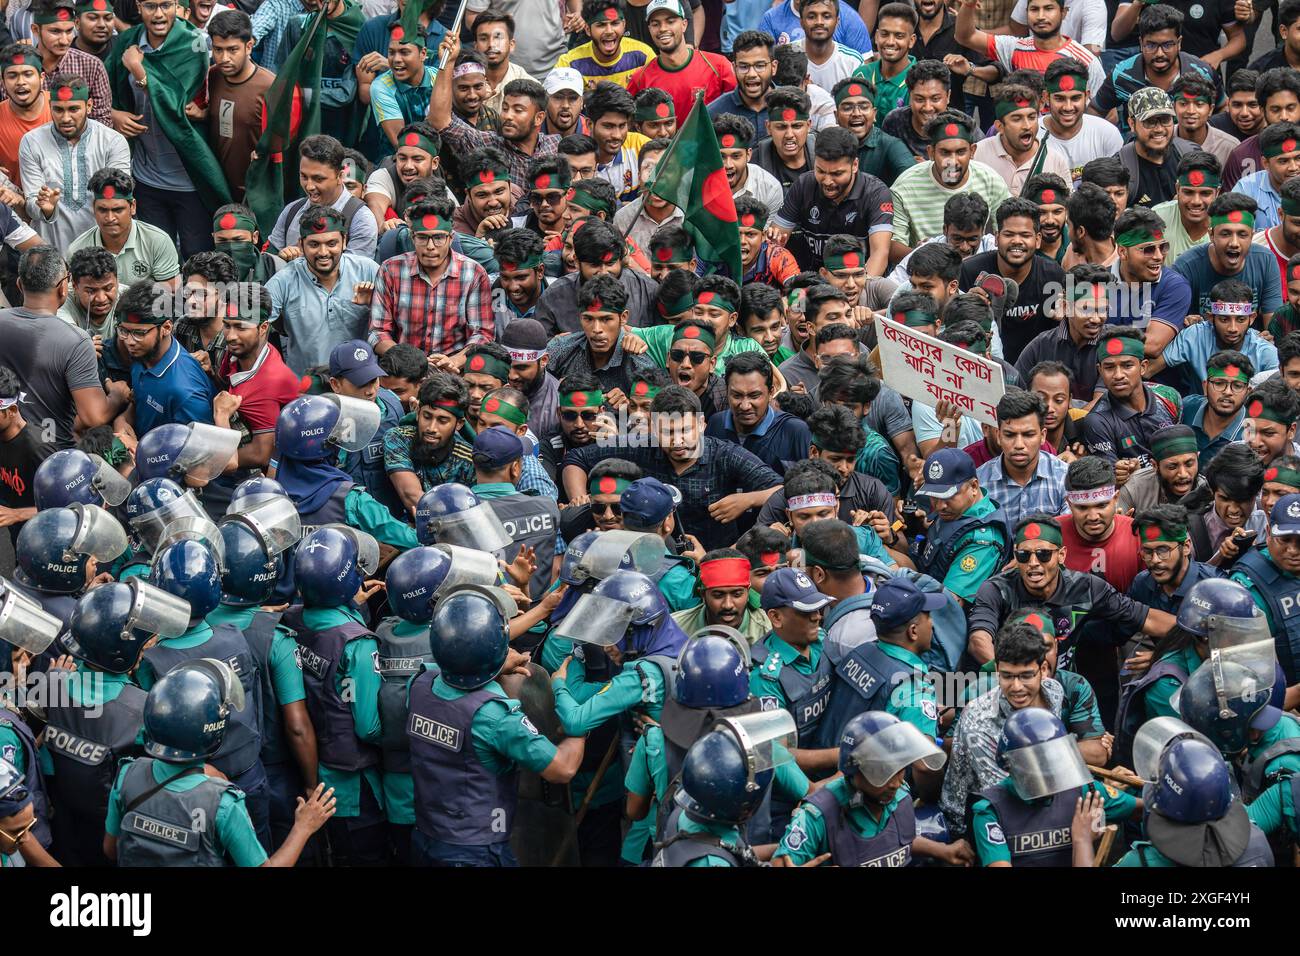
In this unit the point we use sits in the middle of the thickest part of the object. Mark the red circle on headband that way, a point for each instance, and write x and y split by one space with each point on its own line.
852 260
1256 409
748 220
611 14
63 14
663 254
1295 272
1152 531
100 5
899 318
1033 531
397 32
596 305
412 139
1067 82
770 558
64 94
509 266
1231 371
1049 196
232 310
476 363
728 141
1234 216
19 60
1022 104
855 90
705 298
487 176
227 221
691 332
641 388
1196 177
1270 474
1114 347
950 129
662 110
608 485
607 257
429 221
1158 236
543 181
492 404
1288 145
1035 620
788 115
109 192
579 399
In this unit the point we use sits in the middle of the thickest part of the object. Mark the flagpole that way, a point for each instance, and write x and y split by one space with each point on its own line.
455 28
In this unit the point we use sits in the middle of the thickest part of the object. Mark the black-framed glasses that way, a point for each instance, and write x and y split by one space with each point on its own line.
682 356
550 198
570 415
1043 555
1160 553
1168 46
137 335
608 507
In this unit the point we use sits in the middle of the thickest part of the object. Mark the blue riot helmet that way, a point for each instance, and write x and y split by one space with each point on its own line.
413 580
309 426
573 552
112 623
711 672
24 624
251 571
331 564
194 453
727 772
153 505
1152 739
191 569
452 514
1193 783
186 712
14 792
469 638
1040 755
1213 597
254 490
72 475
621 601
1228 695
880 746
55 547
608 551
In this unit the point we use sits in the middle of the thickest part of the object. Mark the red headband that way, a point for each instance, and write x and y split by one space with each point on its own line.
725 573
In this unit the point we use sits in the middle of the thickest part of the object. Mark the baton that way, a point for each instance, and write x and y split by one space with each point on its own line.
1119 775
586 800
455 28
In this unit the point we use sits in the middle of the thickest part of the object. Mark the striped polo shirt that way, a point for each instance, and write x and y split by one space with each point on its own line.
632 55
919 199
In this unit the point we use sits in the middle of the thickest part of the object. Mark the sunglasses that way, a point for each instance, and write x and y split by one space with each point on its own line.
612 507
17 837
588 415
547 199
1042 554
683 356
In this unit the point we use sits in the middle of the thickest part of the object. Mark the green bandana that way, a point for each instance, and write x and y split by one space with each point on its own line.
1188 96
399 34
1290 207
856 88
557 180
1282 476
852 259
1151 532
608 485
695 333
1069 82
247 312
672 255
450 405
532 262
679 306
955 130
1288 145
484 364
587 201
654 113
582 399
54 15
1045 625
431 222
327 219
116 453
753 220
788 114
1046 196
1172 446
67 92
915 318
1237 217
1037 531
488 177
1234 372
234 220
1088 290
715 300
417 141
1255 408
494 405
1139 236
1119 345
93 6
643 389
1197 178
1003 107
109 191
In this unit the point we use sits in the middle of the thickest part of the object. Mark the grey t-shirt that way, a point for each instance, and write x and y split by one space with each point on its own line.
52 359
539 33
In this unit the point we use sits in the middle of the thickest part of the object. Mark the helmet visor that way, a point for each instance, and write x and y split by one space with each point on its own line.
109 483
98 533
728 634
275 520
620 549
150 527
1245 641
469 566
207 451
357 424
596 619
25 624
194 528
1052 766
1151 740
883 754
232 691
768 738
157 611
503 601
367 547
478 528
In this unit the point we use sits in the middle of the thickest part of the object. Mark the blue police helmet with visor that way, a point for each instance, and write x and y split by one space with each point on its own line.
878 745
24 624
71 475
194 453
188 709
1040 756
451 513
1151 740
735 765
54 547
153 505
112 623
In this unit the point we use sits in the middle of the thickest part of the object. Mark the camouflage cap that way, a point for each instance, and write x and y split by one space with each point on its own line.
1149 102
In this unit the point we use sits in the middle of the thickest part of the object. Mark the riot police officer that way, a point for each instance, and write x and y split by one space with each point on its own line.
866 817
1196 819
151 508
194 455
74 476
169 808
1272 575
88 735
1026 818
337 650
650 506
467 740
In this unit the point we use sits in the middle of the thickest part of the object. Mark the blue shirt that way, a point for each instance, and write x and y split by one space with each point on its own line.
783 23
1146 591
1168 301
779 437
175 389
1260 274
312 318
729 102
1045 491
1193 416
1193 346
1259 187
739 16
156 163
269 24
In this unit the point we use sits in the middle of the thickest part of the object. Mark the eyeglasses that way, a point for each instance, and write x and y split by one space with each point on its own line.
570 416
17 837
1043 555
137 335
431 238
855 107
685 356
166 7
610 507
1156 122
753 67
1023 677
1167 46
551 198
1161 552
1228 385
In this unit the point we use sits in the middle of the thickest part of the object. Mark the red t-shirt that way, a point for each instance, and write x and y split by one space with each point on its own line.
268 390
709 72
1116 559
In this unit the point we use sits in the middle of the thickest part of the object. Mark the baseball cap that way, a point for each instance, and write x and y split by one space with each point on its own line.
646 504
791 587
672 6
1148 102
563 78
354 361
1285 517
898 600
946 470
497 447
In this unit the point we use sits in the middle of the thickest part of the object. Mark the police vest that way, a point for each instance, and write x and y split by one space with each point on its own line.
858 602
678 849
1037 834
457 799
366 468
942 543
1254 777
628 728
806 694
1281 593
333 511
1257 852
242 744
891 847
32 775
671 561
864 680
167 828
534 521
260 634
320 652
1132 706
86 749
400 659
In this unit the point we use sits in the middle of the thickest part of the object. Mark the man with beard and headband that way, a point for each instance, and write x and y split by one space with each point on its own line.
578 405
1014 153
1152 157
1187 215
95 28
53 31
56 156
1169 567
1073 342
1097 538
525 340
920 193
726 598
429 451
1050 193
787 152
1175 472
1017 258
1231 254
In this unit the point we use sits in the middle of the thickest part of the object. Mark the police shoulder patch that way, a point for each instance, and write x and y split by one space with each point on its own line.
993 833
930 709
795 837
769 703
529 726
968 563
1110 791
9 752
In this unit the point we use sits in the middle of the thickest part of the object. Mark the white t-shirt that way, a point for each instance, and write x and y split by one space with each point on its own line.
1085 20
841 64
764 187
823 107
1095 140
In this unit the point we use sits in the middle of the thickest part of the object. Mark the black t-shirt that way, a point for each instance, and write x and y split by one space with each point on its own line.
1027 318
1202 22
1223 122
1156 184
814 219
19 460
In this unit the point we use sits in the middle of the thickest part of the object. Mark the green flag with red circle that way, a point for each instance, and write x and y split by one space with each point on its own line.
690 176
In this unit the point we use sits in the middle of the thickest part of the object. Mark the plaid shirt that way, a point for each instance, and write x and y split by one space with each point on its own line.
441 317
1045 491
464 138
269 23
89 69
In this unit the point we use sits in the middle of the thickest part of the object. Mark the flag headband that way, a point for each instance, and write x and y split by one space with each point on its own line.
494 405
484 364
752 220
854 89
109 191
678 306
1174 445
592 399
819 500
725 573
1087 290
1091 496
397 34
587 201
1198 178
1235 217
551 181
1044 625
695 333
489 177
1139 236
644 389
673 255
789 115
1046 196
1039 531
1119 345
418 141
952 131
1232 308
852 259
532 262
915 318
56 15
93 6
431 222
653 113
608 485
76 91
1069 83
1003 107
450 405
715 300
1288 145
1153 532
1283 476
234 220
1257 409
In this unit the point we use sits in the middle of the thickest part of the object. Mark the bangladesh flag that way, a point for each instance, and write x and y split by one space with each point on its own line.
690 176
292 114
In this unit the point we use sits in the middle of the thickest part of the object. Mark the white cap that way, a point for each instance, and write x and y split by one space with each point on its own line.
563 78
673 6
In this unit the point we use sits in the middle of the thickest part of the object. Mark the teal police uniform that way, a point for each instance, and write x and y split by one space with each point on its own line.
806 837
978 555
990 840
